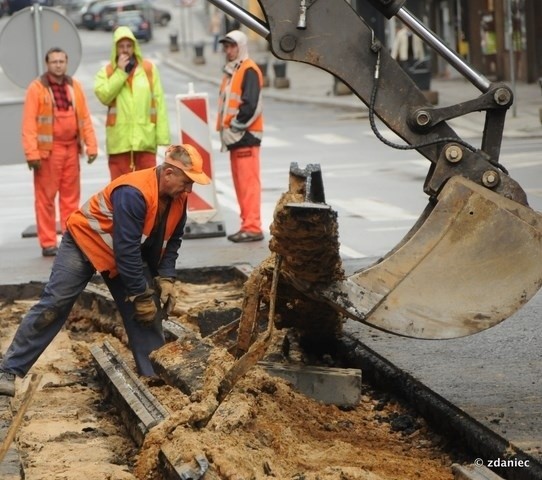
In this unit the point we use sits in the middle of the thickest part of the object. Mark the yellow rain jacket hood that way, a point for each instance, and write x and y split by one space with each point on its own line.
119 34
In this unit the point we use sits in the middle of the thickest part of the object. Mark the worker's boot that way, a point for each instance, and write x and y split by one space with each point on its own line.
7 384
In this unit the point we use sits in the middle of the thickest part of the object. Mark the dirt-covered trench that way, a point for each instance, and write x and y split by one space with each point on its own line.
264 428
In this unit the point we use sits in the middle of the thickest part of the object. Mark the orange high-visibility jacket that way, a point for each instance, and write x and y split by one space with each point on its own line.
38 118
232 97
92 225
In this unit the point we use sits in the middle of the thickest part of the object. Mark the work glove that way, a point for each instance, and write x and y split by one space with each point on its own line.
145 307
168 295
231 135
34 165
91 158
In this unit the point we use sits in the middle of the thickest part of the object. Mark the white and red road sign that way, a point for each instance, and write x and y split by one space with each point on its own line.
194 129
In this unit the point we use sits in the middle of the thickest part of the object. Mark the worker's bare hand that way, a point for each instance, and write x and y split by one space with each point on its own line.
122 61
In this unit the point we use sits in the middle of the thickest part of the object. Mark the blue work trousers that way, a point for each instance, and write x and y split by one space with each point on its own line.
70 275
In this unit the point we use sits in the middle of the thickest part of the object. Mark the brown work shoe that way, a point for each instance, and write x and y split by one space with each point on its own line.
242 236
7 384
49 251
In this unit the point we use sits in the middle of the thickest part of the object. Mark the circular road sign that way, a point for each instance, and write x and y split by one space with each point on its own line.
24 36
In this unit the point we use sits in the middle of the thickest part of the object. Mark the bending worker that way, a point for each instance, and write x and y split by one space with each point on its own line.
137 119
130 232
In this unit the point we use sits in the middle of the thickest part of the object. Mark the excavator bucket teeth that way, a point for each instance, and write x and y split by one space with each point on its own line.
474 261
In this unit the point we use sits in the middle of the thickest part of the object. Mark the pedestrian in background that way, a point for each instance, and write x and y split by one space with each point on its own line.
240 124
215 26
56 129
137 118
130 232
407 48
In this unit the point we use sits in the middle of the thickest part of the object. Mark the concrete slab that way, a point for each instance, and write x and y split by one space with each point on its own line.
332 386
138 407
473 472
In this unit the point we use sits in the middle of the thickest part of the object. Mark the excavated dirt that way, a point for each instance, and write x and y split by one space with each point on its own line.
264 429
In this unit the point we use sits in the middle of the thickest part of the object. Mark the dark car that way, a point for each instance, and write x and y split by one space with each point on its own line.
16 5
159 16
92 18
4 8
136 21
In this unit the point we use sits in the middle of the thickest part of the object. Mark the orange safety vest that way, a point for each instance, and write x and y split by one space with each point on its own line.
234 98
40 92
91 226
111 118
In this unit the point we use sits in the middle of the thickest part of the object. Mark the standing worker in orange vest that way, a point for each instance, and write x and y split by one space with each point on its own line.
56 126
137 120
240 123
130 232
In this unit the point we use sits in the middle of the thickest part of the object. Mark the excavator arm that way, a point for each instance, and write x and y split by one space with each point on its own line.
475 255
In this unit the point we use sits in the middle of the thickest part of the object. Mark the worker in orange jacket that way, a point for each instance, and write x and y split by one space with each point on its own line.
56 129
130 232
240 124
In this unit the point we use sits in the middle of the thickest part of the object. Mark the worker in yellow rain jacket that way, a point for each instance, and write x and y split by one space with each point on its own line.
137 120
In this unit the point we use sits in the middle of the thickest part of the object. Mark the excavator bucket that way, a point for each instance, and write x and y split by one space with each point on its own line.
474 260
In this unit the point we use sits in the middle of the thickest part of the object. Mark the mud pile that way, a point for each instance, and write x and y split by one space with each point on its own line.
264 429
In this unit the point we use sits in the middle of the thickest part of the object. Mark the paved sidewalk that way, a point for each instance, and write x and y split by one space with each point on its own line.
312 85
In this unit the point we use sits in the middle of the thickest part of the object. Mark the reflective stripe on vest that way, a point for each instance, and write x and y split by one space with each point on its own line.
92 225
229 100
44 121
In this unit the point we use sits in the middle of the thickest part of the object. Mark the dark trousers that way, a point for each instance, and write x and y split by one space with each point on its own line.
70 275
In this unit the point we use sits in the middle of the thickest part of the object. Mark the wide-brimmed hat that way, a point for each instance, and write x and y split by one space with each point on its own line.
188 159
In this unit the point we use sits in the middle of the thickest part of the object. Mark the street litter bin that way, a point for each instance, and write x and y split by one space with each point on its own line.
420 72
263 66
280 69
199 59
173 45
280 80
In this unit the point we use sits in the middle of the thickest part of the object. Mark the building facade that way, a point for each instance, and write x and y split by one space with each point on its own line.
499 38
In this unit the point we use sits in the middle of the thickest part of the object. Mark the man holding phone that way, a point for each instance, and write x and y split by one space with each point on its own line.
137 120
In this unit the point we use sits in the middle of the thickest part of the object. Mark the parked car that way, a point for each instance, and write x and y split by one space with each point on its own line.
75 9
92 18
113 7
16 5
4 8
10 7
158 15
136 21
